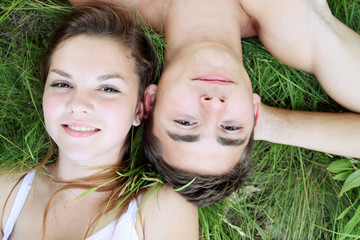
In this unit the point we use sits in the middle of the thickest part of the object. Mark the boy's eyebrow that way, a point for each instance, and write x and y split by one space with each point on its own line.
184 138
231 142
194 138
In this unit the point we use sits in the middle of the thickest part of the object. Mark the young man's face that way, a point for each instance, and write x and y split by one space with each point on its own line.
204 111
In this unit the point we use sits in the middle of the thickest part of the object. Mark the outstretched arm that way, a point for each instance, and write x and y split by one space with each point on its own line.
304 34
336 133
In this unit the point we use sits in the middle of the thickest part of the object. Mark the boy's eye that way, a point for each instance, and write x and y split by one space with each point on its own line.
185 122
109 89
230 127
61 85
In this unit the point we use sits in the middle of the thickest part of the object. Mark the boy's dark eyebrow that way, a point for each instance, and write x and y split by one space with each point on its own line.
194 138
231 142
184 138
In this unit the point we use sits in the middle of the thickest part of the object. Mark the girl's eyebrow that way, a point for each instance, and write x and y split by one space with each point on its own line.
100 78
109 76
61 73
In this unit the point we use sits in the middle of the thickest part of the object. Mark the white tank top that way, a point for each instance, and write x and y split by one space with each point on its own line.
123 229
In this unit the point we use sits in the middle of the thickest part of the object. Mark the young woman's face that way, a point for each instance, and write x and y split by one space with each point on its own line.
91 98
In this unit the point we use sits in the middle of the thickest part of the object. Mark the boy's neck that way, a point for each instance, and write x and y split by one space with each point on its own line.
191 23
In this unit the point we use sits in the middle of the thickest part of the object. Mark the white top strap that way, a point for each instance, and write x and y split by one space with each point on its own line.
124 229
19 202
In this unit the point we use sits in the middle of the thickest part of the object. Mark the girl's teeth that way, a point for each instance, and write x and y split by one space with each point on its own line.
81 129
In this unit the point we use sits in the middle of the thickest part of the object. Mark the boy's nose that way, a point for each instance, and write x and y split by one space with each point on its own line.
212 103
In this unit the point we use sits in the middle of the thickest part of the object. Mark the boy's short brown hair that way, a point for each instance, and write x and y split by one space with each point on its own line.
205 189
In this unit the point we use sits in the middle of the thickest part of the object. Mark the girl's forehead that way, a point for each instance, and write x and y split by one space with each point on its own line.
80 40
102 50
88 57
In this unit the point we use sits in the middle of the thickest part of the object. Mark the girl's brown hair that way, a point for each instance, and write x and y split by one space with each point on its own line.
119 25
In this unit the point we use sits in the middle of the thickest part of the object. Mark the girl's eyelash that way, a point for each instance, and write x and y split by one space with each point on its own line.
67 85
109 89
60 85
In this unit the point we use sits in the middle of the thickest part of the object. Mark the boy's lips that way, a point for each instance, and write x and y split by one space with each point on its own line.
214 79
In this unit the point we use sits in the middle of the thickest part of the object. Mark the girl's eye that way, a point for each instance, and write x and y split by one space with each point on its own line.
109 89
230 127
185 122
61 85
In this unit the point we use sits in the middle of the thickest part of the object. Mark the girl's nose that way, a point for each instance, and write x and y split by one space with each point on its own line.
80 103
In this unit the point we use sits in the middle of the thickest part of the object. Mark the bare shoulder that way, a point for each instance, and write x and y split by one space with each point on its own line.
153 11
8 181
158 199
167 215
7 184
163 193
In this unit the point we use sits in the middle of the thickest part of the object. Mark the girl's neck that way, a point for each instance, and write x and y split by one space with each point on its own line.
67 169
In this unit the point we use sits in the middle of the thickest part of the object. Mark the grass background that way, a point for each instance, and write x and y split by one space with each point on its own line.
292 195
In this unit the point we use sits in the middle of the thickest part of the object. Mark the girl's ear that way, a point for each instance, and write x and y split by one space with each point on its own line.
149 99
256 104
139 114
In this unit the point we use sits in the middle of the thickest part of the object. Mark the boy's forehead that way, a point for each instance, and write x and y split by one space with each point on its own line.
192 158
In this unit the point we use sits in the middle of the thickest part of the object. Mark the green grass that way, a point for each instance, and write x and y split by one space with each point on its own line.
292 195
25 26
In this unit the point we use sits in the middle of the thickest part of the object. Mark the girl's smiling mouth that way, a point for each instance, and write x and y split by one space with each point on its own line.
80 131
